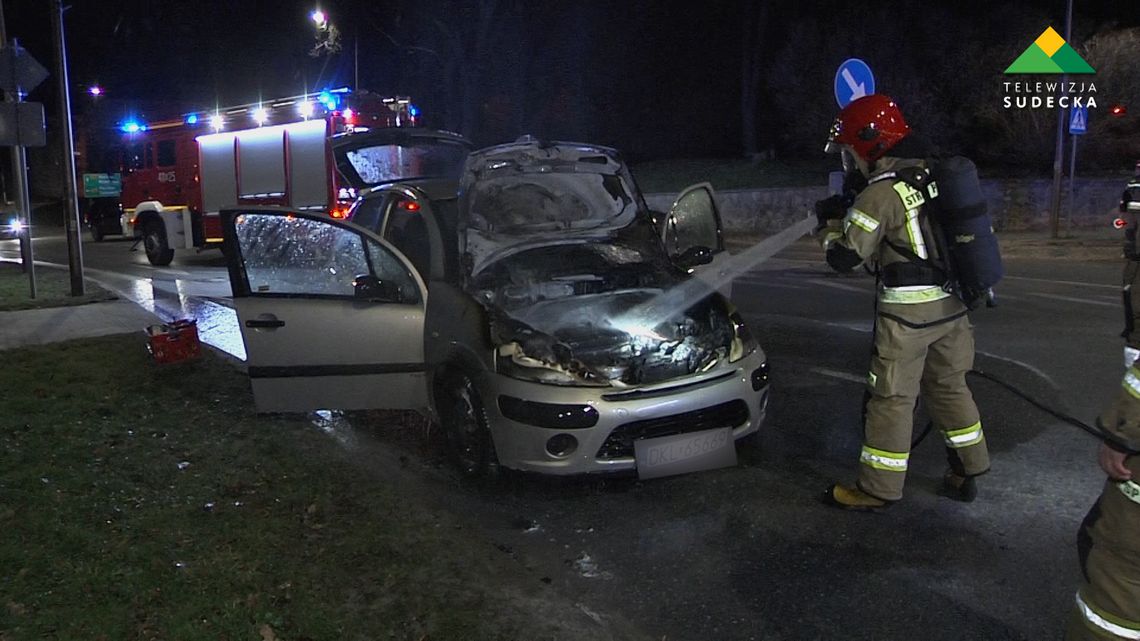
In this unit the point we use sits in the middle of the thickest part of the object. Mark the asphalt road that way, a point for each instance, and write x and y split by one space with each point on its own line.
749 552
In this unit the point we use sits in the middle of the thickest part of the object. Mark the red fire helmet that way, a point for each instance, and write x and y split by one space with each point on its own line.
870 125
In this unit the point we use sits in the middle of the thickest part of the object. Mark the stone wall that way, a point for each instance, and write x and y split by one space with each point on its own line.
1016 205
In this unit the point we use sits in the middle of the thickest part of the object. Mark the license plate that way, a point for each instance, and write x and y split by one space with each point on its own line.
683 453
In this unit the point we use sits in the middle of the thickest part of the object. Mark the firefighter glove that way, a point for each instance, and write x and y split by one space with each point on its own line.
830 208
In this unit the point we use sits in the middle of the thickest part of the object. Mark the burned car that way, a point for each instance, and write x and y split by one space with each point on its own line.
540 312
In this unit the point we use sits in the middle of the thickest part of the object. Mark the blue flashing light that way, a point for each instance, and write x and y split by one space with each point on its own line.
330 101
413 111
132 127
192 119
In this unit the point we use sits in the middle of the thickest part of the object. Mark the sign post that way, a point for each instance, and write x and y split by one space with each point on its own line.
19 74
1078 126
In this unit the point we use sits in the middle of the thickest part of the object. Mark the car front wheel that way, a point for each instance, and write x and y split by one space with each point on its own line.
465 428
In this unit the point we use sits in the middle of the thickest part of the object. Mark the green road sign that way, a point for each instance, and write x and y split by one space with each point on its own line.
102 185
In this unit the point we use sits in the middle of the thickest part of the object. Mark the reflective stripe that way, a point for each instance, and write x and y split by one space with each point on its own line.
964 437
911 197
884 460
1130 489
860 220
914 294
1132 382
1134 206
1120 627
917 242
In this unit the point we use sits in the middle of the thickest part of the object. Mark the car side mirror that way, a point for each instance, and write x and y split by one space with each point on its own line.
693 256
370 288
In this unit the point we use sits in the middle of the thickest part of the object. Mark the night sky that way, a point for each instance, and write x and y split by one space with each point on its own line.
657 78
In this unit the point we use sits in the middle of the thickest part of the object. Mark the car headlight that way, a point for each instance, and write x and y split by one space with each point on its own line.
743 343
511 361
16 225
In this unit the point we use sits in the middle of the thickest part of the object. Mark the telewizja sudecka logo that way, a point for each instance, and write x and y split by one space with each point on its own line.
1049 54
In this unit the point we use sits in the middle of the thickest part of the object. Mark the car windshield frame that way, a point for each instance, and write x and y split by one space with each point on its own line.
405 149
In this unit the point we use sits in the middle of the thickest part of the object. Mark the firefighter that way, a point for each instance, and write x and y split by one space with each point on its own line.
1130 220
1107 606
923 340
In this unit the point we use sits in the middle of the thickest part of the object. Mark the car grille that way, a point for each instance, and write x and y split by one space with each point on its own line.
619 444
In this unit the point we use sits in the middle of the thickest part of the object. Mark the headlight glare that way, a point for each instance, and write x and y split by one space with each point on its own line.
743 343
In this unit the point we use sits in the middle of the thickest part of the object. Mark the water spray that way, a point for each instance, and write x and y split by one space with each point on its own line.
642 319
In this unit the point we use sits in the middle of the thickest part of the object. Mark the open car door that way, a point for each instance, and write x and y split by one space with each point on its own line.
693 236
332 316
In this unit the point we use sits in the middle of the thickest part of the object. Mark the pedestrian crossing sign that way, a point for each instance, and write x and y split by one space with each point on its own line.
1078 120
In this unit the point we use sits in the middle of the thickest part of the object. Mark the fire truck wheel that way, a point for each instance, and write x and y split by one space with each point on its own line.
465 428
158 252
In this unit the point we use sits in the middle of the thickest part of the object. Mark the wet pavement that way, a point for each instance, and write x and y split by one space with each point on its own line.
749 552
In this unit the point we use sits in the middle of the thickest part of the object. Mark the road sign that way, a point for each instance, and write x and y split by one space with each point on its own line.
1078 120
853 80
22 124
102 185
19 70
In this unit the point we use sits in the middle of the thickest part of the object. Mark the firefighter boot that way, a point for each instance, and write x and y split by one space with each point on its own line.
959 487
852 498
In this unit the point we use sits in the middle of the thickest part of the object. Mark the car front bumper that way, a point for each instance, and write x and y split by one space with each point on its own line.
733 395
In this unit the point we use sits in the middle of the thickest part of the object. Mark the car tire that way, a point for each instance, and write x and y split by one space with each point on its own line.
158 252
96 233
466 432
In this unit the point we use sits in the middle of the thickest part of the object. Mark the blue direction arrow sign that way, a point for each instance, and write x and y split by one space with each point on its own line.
1078 120
853 80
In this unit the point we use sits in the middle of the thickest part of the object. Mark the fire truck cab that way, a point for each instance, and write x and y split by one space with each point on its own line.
178 175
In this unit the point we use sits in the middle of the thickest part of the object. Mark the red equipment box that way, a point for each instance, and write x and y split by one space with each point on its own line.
174 342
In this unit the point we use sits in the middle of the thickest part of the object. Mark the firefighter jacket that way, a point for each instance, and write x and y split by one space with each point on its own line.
1130 199
884 224
1130 213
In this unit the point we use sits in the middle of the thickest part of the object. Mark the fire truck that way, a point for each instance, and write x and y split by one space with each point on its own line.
175 176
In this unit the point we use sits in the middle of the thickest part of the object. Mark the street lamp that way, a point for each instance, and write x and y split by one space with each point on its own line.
328 40
320 18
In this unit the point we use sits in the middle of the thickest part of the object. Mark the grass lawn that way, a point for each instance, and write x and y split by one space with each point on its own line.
53 289
180 514
670 176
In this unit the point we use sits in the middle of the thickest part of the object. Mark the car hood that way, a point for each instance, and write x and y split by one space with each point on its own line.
585 310
518 197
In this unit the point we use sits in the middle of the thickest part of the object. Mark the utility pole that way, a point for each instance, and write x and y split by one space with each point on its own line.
71 202
1059 149
20 175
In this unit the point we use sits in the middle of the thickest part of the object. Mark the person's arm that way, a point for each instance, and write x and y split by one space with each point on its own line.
1120 424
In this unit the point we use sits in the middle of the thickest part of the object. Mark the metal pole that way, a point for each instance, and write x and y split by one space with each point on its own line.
1072 179
71 202
1059 149
20 178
